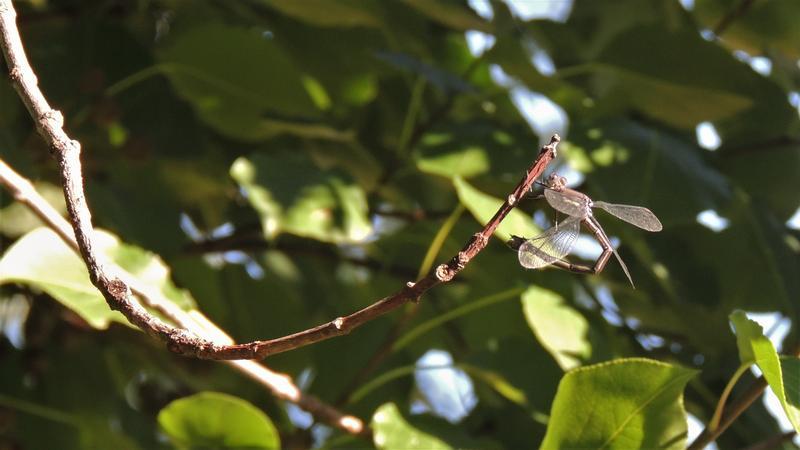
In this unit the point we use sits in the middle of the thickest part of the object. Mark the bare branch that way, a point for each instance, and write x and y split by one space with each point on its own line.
116 291
280 385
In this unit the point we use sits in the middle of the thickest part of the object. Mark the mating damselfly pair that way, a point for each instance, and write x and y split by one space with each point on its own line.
550 247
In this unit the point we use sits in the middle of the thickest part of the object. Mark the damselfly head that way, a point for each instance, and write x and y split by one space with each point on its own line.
556 182
515 242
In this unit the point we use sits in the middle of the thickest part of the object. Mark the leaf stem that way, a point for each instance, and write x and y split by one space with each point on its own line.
438 240
38 410
712 426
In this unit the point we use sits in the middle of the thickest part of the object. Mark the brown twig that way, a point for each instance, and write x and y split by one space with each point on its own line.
280 385
116 291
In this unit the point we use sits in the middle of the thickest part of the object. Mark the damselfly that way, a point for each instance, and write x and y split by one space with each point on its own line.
556 242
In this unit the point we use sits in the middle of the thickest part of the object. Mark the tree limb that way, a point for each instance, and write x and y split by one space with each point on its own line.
279 384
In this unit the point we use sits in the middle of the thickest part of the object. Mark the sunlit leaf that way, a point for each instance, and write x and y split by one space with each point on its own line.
472 149
40 259
16 219
626 403
484 206
292 195
558 327
465 163
392 431
215 420
755 348
498 383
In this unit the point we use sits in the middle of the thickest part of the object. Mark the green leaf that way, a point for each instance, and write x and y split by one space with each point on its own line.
781 189
790 368
40 259
755 348
255 81
687 105
465 162
694 95
292 195
701 80
216 420
474 148
497 382
753 345
392 431
621 404
560 329
17 219
484 206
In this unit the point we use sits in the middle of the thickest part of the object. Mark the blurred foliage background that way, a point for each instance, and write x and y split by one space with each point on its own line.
293 161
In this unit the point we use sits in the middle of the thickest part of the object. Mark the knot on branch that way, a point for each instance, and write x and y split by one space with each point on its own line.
116 287
479 241
338 323
512 199
183 343
54 116
444 273
16 73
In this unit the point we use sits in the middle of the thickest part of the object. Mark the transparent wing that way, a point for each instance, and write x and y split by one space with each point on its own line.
550 246
636 215
570 202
